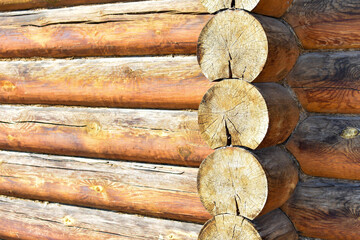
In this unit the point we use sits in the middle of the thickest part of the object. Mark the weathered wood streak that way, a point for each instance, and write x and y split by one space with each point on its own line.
29 220
146 82
326 209
123 134
153 190
183 5
328 146
328 82
152 28
326 24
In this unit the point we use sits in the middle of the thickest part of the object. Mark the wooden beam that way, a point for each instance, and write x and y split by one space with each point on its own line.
124 29
326 209
327 146
240 182
235 112
144 82
29 220
157 136
272 226
238 44
325 24
153 190
327 81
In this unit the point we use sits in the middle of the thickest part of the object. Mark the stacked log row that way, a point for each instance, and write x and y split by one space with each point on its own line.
235 184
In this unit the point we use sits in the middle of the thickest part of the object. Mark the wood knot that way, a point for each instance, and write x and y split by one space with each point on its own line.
349 133
7 86
97 188
93 128
68 221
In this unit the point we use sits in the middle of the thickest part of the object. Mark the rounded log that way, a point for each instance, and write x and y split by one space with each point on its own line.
275 8
234 112
238 44
241 182
274 225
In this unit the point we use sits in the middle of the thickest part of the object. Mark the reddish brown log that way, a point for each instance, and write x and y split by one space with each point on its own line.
121 30
153 190
28 220
326 24
147 82
123 134
326 209
328 146
328 81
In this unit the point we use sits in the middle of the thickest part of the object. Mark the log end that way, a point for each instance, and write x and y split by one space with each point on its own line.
228 227
233 112
231 180
233 44
213 6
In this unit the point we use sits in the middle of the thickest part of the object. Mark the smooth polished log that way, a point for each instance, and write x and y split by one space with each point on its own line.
153 190
326 209
30 220
327 82
328 146
136 82
157 136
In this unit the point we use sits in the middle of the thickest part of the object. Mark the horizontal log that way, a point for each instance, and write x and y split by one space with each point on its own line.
157 136
328 146
327 82
29 220
241 182
235 112
325 24
272 226
124 29
275 8
147 189
326 209
144 82
238 44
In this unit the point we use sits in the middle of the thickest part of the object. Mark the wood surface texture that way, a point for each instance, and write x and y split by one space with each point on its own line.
29 220
328 146
159 136
136 82
153 190
326 24
122 29
238 44
326 209
327 81
240 182
235 112
275 8
272 226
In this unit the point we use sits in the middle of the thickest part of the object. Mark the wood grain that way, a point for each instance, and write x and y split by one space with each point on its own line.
148 189
144 82
124 29
326 209
29 220
272 226
328 146
157 136
326 24
327 82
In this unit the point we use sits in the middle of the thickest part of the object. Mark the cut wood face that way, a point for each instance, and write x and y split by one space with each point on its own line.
228 227
233 44
216 5
233 112
231 180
